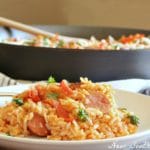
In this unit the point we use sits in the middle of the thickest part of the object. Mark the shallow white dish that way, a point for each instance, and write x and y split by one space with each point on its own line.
137 103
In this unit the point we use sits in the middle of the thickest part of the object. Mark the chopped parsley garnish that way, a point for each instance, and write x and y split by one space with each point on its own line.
82 115
51 79
123 109
134 119
8 134
115 47
18 101
60 44
46 42
53 96
29 42
79 43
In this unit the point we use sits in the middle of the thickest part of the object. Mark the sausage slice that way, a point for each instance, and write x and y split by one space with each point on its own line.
37 125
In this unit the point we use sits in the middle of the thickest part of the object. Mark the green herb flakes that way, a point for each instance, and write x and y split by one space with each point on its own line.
82 115
60 44
8 134
51 79
53 96
134 119
18 101
46 42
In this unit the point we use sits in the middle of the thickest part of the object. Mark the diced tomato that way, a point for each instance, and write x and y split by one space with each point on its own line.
127 39
131 38
63 113
138 36
41 90
37 125
98 100
101 46
33 94
65 87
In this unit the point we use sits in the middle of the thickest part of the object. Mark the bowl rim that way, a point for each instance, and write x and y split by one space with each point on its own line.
11 46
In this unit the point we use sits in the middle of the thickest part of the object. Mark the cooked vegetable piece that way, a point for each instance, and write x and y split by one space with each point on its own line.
134 119
65 87
63 113
46 41
82 115
53 96
131 38
8 134
51 79
60 44
79 43
122 109
18 101
34 95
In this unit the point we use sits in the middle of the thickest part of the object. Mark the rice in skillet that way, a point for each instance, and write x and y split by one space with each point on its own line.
67 111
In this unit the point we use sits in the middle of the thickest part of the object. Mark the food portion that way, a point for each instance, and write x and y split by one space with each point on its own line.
131 42
67 111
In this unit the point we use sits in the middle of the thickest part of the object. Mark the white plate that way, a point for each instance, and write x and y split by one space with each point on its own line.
137 103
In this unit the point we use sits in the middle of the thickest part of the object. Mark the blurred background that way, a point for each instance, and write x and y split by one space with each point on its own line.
117 13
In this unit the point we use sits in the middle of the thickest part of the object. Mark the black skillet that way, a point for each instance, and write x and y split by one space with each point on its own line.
38 63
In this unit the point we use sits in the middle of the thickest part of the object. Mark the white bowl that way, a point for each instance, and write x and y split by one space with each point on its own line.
137 103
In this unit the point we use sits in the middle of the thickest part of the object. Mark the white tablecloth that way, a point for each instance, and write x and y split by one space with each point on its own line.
133 85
